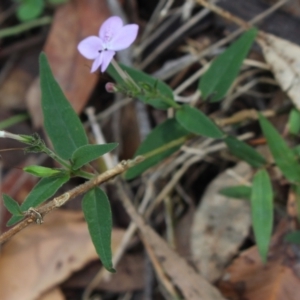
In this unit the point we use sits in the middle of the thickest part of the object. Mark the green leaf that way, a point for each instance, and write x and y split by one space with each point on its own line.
44 189
88 153
57 2
244 152
294 122
30 9
147 82
12 205
262 211
41 171
284 157
197 122
162 141
97 212
293 237
60 120
224 69
238 192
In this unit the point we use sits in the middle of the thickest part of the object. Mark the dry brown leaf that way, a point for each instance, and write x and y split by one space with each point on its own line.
130 275
53 294
40 257
192 285
284 60
279 279
220 225
72 22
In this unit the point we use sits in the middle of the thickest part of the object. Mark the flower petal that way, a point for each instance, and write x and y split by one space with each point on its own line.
97 62
90 46
107 57
124 38
110 28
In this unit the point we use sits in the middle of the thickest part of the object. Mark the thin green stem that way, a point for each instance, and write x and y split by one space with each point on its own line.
13 120
167 146
25 26
56 157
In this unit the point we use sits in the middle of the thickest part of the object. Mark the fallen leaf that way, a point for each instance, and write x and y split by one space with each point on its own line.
72 22
130 275
40 257
220 225
53 294
191 284
283 58
279 279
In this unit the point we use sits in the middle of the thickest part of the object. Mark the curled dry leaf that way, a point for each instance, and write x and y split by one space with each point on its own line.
248 278
284 60
220 225
40 257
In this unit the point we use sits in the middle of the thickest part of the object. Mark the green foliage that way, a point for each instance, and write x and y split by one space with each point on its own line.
224 69
262 211
60 120
197 122
152 90
57 2
30 9
97 212
162 141
238 192
294 121
293 237
45 189
244 152
41 171
284 157
88 153
12 206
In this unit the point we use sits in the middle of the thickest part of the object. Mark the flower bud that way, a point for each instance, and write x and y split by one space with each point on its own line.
110 87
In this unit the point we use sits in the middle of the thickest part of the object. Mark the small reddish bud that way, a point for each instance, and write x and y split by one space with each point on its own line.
110 87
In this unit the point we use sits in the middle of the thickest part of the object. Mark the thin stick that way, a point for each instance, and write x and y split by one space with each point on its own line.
37 214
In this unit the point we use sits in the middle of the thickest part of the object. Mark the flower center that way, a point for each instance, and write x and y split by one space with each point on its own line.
105 49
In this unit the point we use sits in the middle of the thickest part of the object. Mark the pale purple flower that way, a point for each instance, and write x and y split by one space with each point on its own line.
113 36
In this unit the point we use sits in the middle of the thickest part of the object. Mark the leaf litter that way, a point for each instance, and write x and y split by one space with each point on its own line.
213 244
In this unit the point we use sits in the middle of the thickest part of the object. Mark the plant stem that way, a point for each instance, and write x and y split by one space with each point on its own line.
71 194
25 26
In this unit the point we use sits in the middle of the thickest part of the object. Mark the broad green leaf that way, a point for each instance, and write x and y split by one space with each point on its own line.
284 157
12 206
294 121
197 122
44 189
296 150
60 120
162 141
40 171
224 69
262 211
238 192
293 237
147 82
30 9
244 152
97 212
88 153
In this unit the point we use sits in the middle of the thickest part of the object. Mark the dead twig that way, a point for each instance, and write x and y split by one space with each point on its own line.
36 215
